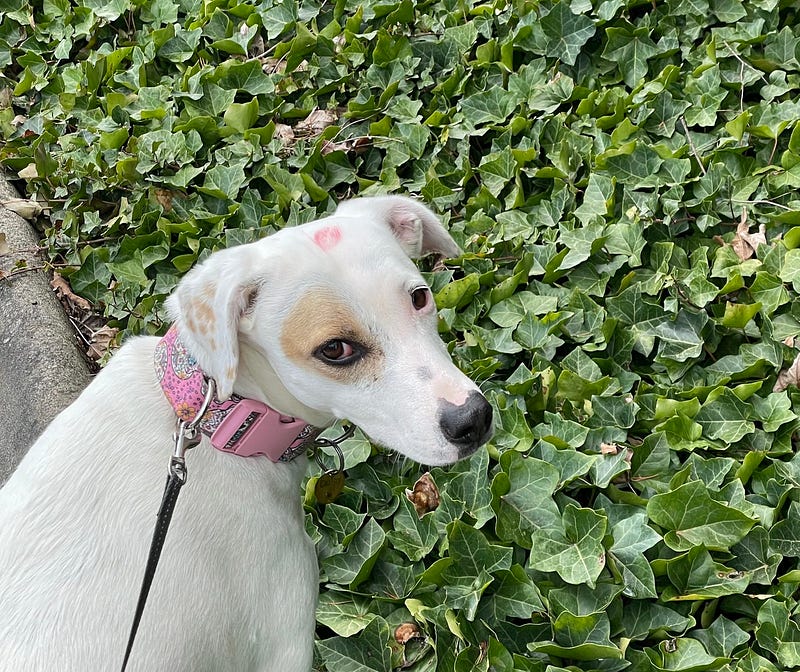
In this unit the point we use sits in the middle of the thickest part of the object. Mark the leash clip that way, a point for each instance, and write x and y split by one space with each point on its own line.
187 435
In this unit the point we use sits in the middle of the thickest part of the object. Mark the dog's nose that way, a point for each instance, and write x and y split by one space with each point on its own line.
467 426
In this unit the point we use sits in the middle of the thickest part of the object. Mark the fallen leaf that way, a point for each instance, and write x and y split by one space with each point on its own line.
608 449
425 495
64 291
406 631
284 133
164 198
789 376
29 172
25 208
4 247
349 145
745 243
316 122
101 342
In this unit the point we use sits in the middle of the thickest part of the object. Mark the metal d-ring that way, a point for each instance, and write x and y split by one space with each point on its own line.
323 442
187 435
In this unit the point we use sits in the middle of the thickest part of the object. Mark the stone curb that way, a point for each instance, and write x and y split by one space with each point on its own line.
41 368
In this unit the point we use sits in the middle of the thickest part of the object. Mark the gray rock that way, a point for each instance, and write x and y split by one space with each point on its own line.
41 368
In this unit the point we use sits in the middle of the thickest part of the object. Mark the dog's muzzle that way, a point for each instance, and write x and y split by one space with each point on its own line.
467 426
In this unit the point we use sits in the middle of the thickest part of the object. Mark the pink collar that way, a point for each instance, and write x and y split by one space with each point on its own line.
240 426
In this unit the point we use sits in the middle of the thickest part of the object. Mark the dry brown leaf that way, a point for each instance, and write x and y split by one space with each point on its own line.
164 198
745 243
273 65
284 133
25 208
787 377
64 291
29 172
102 340
5 248
316 122
609 449
405 632
350 145
425 495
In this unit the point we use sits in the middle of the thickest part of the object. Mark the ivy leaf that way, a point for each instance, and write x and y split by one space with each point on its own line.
692 517
366 652
343 613
573 550
566 32
630 48
353 565
223 182
725 416
523 497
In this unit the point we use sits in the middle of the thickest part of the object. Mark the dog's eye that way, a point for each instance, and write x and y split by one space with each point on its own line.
420 297
337 351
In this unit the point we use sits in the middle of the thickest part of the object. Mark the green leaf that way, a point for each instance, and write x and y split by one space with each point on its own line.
241 116
685 654
353 565
523 497
574 551
726 417
223 182
635 166
695 576
630 49
345 614
566 32
492 106
367 652
691 517
778 633
784 537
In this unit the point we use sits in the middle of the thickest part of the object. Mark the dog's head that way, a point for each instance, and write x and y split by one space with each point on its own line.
332 319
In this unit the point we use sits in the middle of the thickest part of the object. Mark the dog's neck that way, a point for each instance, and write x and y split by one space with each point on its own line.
238 425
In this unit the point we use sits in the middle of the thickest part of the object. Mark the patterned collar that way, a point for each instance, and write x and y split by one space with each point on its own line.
240 426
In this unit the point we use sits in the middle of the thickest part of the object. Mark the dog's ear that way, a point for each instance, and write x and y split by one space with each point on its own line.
417 229
207 307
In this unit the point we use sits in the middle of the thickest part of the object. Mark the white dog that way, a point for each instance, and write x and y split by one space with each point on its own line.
326 320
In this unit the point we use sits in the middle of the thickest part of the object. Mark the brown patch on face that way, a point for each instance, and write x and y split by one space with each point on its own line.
319 317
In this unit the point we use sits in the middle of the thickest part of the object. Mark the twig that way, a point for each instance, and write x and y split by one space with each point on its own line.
763 202
20 271
692 147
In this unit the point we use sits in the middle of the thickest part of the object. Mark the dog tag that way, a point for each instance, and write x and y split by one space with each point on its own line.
329 486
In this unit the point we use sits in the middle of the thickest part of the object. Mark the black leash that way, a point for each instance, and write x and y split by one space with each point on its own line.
173 487
187 435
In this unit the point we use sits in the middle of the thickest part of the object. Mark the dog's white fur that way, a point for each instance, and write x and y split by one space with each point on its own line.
236 586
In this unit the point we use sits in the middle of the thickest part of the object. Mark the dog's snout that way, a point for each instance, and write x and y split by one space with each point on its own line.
467 426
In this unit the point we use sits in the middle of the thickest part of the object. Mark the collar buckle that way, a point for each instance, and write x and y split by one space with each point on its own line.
243 428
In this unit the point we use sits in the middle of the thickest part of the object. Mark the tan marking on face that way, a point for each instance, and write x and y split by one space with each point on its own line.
318 317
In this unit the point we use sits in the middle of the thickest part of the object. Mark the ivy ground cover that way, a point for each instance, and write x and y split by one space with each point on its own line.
622 177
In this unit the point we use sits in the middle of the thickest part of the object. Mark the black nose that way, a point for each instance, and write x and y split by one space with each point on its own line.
466 426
